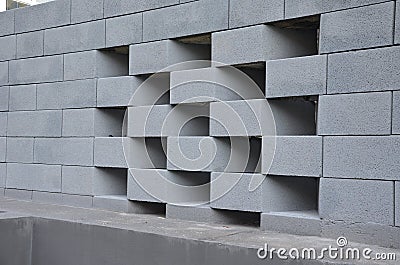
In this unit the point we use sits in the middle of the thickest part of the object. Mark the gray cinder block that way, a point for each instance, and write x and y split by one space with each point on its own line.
47 123
302 76
397 203
86 10
124 30
397 25
261 43
3 123
212 84
22 97
204 16
3 149
121 7
24 195
351 200
355 114
92 64
250 12
292 156
65 151
396 113
146 152
301 8
4 95
367 157
261 117
92 122
150 177
3 73
116 91
115 203
166 120
36 70
47 15
34 177
3 175
366 70
305 223
47 197
282 194
77 200
93 181
20 150
7 22
109 152
237 198
153 57
371 26
8 49
80 37
30 44
64 95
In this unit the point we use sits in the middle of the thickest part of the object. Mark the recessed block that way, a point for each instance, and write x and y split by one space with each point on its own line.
304 76
351 200
355 114
364 157
30 44
124 30
20 150
22 97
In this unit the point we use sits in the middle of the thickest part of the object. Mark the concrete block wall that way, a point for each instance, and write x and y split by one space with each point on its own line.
328 75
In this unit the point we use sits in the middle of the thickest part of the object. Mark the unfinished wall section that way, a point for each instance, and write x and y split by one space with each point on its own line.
328 69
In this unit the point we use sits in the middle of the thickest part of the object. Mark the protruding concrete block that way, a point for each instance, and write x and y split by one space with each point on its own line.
86 10
93 181
34 177
238 197
120 7
153 57
208 154
47 15
165 120
396 113
261 43
146 152
124 30
109 152
7 22
397 203
116 91
301 8
64 95
47 197
4 96
20 150
304 76
92 64
351 200
8 49
47 123
261 117
36 70
282 194
3 149
30 44
92 122
355 114
80 37
362 71
3 175
65 151
365 157
77 200
292 156
22 97
371 26
250 12
24 195
3 123
212 84
204 16
3 73
305 223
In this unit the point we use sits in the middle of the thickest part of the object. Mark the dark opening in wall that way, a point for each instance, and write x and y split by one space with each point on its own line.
109 122
238 217
257 72
113 62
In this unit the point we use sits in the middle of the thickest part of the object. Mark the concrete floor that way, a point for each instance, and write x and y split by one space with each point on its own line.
36 234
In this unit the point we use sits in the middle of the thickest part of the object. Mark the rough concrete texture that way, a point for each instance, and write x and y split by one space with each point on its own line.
86 10
7 22
396 113
109 152
124 30
3 146
397 203
364 157
355 114
20 150
352 201
22 98
30 44
371 26
3 176
8 51
4 73
116 91
4 98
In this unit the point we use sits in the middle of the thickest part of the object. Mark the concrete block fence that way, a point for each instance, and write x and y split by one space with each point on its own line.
328 71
